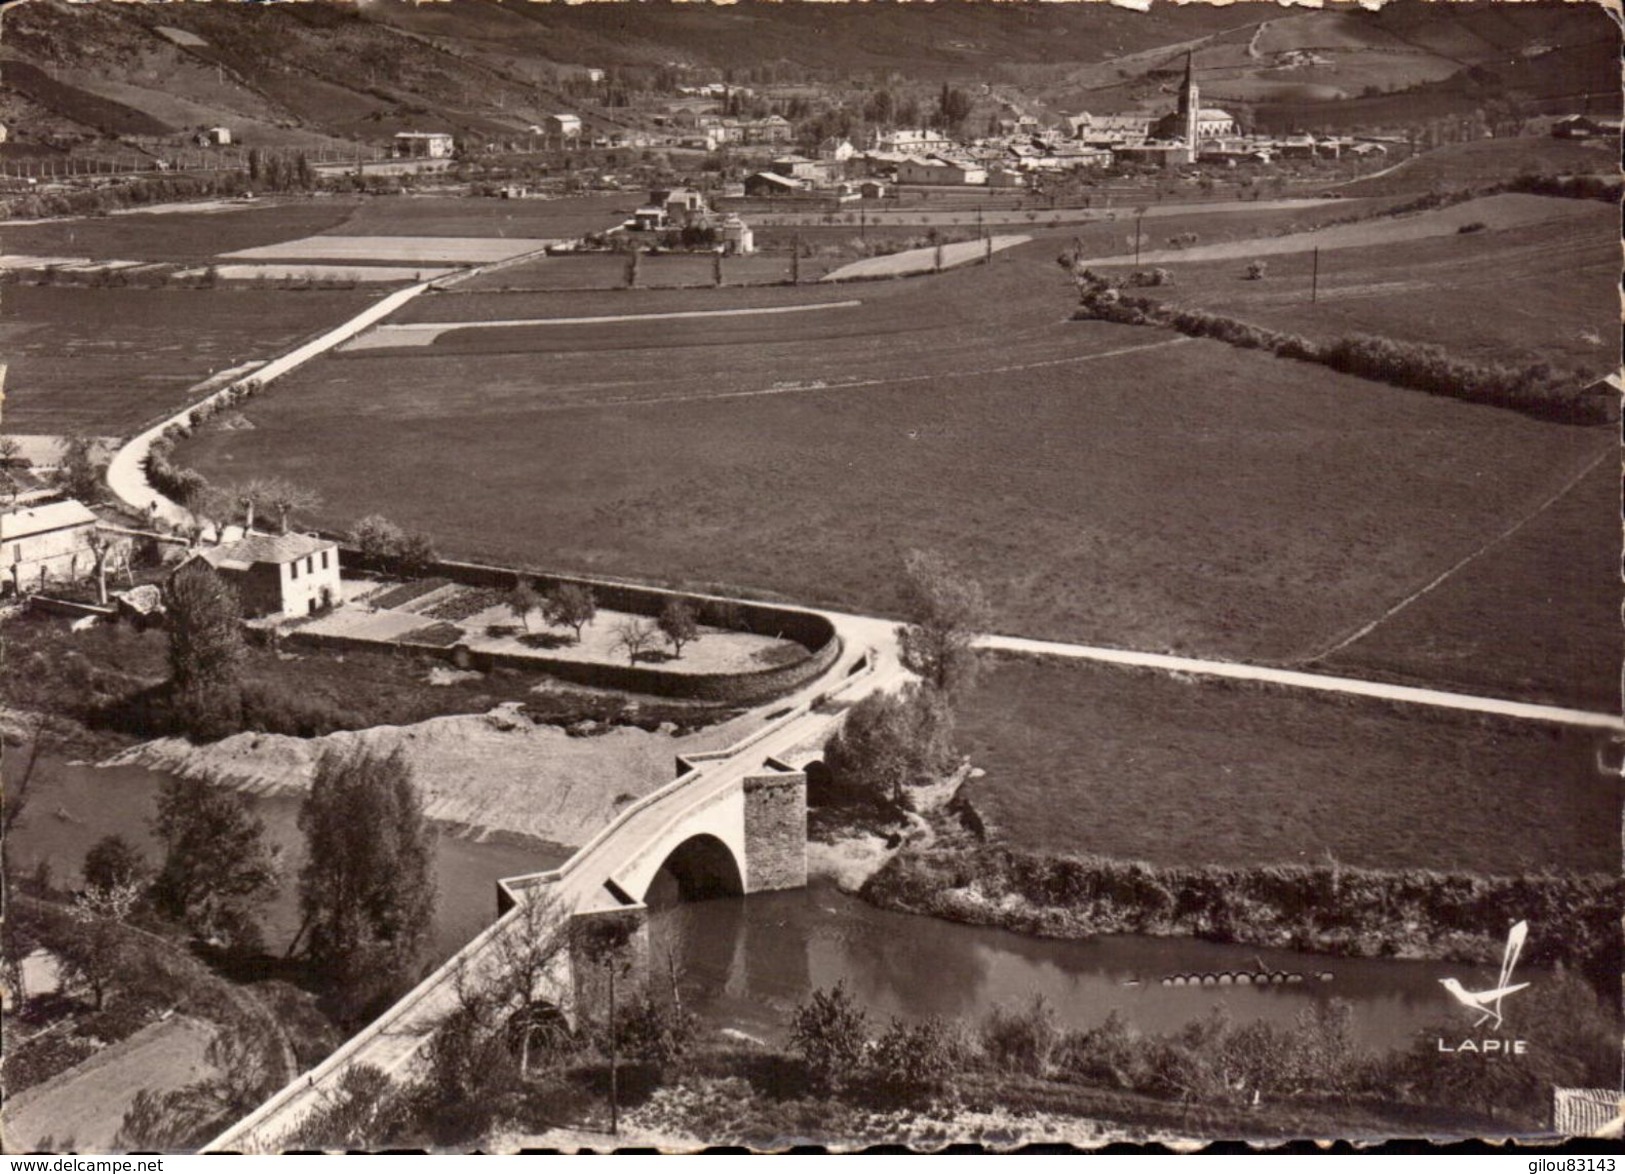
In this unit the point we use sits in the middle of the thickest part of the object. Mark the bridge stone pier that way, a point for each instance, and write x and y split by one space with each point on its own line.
748 837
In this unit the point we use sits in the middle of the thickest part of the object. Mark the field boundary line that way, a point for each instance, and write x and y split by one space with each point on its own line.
429 332
817 385
1296 679
1472 556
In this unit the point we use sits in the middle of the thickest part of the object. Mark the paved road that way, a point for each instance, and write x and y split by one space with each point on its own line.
127 472
1301 680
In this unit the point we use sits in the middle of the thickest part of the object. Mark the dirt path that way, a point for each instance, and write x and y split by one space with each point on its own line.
1293 679
1366 629
81 1109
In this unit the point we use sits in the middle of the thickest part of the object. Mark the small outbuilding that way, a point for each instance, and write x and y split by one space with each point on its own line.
291 574
44 542
737 238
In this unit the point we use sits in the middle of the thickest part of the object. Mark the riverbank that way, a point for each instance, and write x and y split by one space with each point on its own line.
1322 909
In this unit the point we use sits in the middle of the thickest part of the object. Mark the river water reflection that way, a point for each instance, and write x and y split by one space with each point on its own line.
746 963
71 806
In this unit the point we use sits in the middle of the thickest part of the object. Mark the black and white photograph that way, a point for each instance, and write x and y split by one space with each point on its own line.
658 576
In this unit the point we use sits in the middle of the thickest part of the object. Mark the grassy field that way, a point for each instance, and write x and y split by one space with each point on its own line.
178 236
1506 211
1464 165
1510 620
1091 759
456 216
1541 292
1188 496
102 361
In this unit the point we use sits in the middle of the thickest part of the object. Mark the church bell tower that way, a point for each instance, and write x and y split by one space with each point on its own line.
1190 110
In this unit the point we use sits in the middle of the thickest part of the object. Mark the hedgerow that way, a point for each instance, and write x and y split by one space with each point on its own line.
1535 389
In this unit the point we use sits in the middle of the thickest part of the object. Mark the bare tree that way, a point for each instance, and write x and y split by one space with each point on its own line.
636 635
283 497
526 954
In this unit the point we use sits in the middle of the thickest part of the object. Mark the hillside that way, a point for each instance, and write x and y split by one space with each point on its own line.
73 75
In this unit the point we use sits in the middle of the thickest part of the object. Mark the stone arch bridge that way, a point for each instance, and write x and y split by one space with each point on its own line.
732 822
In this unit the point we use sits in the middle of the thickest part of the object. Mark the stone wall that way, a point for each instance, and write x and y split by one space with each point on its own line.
775 831
808 629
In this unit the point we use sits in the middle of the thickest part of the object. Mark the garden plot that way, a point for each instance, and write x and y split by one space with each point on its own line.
434 611
411 250
715 650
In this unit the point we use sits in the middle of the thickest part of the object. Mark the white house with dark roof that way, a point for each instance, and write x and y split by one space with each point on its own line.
291 574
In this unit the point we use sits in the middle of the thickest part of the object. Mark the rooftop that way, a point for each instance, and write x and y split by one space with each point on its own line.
41 519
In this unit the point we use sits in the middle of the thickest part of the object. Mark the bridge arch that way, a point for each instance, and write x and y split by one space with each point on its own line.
704 867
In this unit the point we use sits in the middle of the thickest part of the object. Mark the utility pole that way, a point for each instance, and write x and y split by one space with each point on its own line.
1314 280
614 1062
1137 218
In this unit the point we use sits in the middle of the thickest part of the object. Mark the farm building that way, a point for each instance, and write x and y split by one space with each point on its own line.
413 144
218 136
797 167
649 218
679 203
560 128
1583 126
765 183
44 542
939 171
294 574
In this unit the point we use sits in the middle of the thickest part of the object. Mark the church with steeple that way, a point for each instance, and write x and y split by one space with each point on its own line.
1191 123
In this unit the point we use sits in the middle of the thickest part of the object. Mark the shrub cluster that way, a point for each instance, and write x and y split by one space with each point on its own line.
408 552
1535 389
1573 187
177 482
1323 908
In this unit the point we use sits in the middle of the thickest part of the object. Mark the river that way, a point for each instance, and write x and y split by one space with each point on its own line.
745 964
71 806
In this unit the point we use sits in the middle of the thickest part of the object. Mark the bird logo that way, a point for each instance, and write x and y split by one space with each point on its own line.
1488 1003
